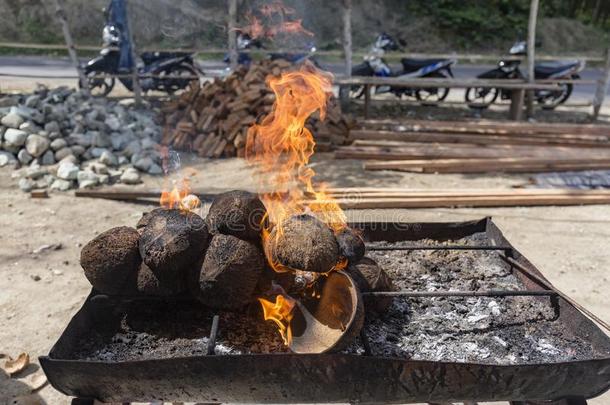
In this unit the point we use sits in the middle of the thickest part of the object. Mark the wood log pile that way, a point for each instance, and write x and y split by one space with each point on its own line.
213 119
477 147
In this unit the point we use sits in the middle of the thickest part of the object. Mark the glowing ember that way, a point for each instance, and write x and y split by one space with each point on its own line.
280 312
180 197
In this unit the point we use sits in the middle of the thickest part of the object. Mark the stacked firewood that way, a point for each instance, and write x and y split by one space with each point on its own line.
213 119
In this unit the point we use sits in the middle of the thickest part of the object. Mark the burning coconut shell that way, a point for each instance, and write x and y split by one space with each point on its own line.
303 243
172 242
230 273
332 321
111 260
351 244
370 277
238 213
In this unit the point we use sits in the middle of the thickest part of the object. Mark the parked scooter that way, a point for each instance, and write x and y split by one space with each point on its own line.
482 98
244 41
180 66
375 65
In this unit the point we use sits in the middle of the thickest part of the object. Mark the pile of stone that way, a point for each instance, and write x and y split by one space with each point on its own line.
62 139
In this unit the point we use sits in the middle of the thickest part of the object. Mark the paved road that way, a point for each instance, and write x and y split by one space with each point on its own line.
57 67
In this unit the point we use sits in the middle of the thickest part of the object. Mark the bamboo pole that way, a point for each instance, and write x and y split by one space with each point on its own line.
602 88
135 80
531 52
232 37
61 16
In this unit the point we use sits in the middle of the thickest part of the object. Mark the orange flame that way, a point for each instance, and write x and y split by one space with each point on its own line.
273 22
280 312
281 146
180 197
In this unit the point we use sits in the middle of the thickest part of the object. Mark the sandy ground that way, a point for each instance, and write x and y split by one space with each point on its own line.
39 292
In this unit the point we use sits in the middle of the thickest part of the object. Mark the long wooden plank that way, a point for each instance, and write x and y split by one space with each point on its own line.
430 137
500 162
489 127
437 151
451 202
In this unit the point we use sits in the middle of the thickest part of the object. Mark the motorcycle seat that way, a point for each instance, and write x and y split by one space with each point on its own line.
547 69
411 65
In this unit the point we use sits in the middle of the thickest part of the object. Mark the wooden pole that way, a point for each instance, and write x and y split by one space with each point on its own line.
232 37
61 16
347 36
602 88
347 53
531 51
135 79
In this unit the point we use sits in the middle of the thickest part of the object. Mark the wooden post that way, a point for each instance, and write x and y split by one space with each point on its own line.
232 37
367 100
531 51
61 16
516 104
347 36
347 51
602 88
135 78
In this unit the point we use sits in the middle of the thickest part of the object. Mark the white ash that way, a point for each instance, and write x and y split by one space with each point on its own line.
499 330
50 129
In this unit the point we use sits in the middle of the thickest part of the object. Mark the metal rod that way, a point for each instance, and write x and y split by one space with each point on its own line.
547 284
482 293
446 247
213 335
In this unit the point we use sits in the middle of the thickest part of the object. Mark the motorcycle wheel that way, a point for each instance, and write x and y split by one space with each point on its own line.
176 82
548 100
480 98
432 96
98 86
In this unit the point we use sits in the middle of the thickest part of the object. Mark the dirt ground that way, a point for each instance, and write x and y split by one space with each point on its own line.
41 290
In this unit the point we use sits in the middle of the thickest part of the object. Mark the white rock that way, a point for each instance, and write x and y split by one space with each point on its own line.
24 157
12 120
130 176
7 158
15 137
86 179
144 163
30 127
37 145
67 171
61 185
26 184
62 153
58 144
108 158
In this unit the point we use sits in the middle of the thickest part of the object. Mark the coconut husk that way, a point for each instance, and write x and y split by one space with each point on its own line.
111 260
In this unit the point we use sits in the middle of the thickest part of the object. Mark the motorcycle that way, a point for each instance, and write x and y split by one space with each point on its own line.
375 65
481 98
179 67
244 41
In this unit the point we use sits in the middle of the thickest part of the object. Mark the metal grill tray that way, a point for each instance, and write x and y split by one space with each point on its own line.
336 378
